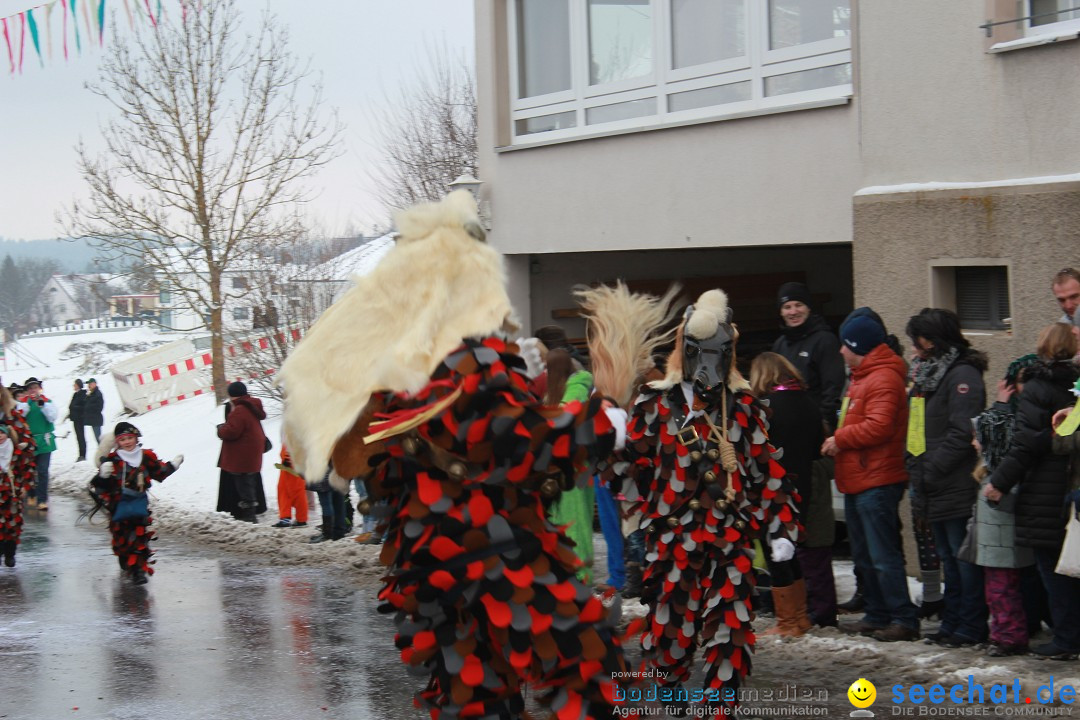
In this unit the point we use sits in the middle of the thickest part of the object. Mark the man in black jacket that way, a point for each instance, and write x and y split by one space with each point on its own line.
813 348
76 413
92 412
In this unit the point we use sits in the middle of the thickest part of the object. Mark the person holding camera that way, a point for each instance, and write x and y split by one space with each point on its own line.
41 414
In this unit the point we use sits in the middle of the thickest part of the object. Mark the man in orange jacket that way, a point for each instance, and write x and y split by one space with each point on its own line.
869 449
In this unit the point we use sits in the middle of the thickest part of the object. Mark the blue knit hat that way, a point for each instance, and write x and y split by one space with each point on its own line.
862 334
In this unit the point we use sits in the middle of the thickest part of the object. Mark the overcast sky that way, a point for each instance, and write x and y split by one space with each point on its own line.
365 49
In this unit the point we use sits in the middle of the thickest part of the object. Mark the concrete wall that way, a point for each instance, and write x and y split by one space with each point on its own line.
1032 229
934 106
769 180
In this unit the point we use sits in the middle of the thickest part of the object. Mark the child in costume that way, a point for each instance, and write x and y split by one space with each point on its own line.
124 475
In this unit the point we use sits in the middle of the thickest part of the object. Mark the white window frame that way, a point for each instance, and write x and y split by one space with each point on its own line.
1063 26
759 63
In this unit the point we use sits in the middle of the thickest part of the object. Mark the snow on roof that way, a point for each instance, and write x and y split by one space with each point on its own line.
933 186
358 261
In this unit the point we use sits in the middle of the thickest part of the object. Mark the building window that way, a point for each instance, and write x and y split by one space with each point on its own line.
1058 13
978 293
241 313
240 283
164 296
583 66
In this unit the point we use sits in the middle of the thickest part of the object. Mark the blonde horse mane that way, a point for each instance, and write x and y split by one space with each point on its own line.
624 330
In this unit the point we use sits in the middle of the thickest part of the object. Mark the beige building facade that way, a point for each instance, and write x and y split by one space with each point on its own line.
657 151
892 154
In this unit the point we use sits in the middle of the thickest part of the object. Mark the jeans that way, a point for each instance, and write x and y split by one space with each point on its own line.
332 504
635 547
965 610
1063 592
611 527
873 524
42 489
97 432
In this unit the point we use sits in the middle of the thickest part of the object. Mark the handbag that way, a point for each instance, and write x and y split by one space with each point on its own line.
970 547
267 445
1069 561
133 505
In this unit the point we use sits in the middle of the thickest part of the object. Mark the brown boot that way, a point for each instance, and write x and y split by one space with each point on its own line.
784 601
802 620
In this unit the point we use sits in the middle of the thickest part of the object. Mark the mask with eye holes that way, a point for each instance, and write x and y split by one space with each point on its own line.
707 360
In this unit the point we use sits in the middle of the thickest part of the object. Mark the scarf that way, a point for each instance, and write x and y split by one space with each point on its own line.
927 373
131 457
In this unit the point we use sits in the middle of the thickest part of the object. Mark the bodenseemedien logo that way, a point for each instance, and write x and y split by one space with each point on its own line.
862 694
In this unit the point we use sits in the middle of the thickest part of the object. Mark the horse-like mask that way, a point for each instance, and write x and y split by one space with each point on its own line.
707 361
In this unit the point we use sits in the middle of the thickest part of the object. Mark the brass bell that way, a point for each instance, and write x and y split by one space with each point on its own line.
723 505
364 507
709 476
714 454
695 504
740 525
410 445
695 456
673 522
549 488
457 470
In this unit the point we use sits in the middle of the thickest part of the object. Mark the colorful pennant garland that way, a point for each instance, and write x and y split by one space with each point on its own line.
93 20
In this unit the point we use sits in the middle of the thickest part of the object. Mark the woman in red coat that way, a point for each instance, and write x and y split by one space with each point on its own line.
242 445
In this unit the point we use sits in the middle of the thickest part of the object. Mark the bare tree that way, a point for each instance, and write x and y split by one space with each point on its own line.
204 166
427 134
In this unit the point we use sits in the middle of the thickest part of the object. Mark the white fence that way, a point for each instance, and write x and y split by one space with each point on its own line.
82 326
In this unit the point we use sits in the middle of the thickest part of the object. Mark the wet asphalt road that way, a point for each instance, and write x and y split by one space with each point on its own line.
210 636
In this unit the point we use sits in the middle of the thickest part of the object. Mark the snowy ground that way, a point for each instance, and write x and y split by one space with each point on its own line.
184 506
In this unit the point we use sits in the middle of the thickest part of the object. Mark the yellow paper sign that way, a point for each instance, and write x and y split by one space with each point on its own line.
1071 422
916 427
843 412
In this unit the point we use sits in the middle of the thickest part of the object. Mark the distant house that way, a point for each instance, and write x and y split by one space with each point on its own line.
71 298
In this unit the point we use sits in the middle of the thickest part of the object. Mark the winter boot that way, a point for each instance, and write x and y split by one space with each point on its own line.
632 589
854 605
785 600
138 577
802 620
327 530
9 552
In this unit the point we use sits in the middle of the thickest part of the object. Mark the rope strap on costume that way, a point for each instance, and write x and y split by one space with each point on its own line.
728 459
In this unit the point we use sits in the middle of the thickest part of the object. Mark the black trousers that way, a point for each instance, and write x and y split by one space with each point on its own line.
247 501
80 437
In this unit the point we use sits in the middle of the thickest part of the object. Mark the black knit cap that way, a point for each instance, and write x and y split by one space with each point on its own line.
793 291
126 428
237 389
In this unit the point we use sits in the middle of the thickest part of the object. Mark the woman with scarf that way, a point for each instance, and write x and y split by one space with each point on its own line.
947 392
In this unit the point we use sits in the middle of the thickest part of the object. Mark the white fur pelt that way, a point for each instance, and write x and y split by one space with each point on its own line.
106 445
625 329
438 285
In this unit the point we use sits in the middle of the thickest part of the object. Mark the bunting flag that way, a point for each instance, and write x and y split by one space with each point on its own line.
7 39
34 35
93 21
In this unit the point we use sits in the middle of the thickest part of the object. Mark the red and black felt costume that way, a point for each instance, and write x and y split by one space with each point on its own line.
131 537
700 520
18 482
484 586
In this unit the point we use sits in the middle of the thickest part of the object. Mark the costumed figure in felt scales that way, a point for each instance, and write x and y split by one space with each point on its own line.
124 474
699 462
405 381
17 472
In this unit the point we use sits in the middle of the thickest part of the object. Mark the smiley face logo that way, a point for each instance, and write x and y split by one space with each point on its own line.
862 693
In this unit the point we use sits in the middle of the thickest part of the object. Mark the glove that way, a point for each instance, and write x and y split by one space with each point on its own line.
177 461
106 469
782 550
